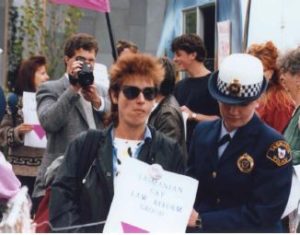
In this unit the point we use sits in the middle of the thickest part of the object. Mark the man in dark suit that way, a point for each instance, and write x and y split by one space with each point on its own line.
243 166
66 107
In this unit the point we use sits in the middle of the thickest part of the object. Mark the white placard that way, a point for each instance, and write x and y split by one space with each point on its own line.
294 198
143 204
37 137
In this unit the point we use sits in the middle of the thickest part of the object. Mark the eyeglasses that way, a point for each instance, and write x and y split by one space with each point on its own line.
132 92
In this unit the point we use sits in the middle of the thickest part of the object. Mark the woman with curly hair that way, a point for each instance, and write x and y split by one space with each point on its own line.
275 106
289 65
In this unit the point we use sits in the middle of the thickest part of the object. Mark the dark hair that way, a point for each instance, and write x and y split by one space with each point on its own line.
190 43
78 41
290 62
128 65
168 83
28 68
122 44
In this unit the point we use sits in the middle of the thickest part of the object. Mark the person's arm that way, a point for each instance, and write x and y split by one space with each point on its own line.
198 116
11 135
53 108
98 96
7 134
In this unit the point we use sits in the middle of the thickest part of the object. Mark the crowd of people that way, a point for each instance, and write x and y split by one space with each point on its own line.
240 139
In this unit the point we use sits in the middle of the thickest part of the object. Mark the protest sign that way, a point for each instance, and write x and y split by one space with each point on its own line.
145 203
37 137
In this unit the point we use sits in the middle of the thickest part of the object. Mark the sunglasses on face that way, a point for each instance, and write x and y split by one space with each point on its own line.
132 92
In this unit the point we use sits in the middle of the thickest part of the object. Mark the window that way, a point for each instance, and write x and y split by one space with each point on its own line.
201 20
190 21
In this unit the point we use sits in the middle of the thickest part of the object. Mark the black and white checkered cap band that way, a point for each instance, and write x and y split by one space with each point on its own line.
251 90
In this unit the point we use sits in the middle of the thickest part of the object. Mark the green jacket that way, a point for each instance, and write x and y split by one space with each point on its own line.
292 136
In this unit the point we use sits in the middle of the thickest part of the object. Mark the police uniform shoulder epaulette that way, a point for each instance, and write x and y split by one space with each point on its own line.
279 152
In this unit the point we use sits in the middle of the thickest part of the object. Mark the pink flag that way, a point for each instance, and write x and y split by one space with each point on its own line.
96 5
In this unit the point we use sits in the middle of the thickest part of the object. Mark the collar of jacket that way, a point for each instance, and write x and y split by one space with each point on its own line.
104 162
245 133
244 136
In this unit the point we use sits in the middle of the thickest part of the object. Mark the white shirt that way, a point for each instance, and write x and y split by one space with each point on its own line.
88 110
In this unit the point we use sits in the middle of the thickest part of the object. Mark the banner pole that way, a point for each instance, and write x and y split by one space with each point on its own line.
111 37
246 26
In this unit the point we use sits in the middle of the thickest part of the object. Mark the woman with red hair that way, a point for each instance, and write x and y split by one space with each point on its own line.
275 106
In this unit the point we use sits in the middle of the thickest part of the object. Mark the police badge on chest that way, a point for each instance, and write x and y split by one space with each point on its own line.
245 163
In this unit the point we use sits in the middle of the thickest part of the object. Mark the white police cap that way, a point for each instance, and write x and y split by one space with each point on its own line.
239 80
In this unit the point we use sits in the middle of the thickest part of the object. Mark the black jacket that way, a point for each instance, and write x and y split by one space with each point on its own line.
167 118
75 201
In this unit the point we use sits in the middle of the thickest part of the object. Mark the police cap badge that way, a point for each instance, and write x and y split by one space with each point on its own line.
239 80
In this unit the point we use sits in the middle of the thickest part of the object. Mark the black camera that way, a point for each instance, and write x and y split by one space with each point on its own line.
85 75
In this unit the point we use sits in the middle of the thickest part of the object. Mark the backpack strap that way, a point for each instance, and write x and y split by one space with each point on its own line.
89 150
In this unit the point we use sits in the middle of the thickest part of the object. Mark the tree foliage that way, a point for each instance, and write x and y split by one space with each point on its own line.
15 47
40 28
63 21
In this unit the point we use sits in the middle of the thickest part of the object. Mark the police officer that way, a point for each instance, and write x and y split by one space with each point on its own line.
243 166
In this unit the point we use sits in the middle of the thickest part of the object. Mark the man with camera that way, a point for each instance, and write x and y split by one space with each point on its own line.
72 104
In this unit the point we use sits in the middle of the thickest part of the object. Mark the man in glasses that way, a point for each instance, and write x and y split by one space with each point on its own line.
133 88
243 166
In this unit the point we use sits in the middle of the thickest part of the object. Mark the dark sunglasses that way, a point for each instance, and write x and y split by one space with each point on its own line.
132 92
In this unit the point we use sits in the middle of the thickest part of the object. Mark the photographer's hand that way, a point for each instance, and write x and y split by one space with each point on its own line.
73 67
90 93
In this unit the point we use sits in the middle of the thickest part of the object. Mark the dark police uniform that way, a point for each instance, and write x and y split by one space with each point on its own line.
247 188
